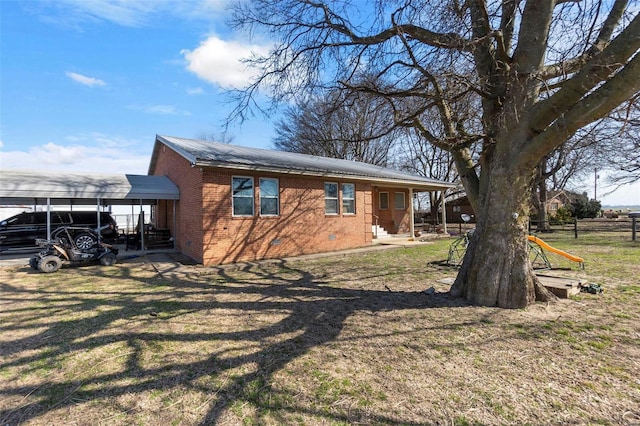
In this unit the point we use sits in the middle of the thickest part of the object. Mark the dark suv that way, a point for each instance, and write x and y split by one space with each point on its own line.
21 230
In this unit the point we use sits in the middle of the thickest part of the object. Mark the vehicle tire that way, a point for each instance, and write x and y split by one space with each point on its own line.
85 241
108 259
49 264
33 261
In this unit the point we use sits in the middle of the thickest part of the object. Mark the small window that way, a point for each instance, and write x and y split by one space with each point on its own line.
384 200
399 201
330 198
269 197
242 188
348 198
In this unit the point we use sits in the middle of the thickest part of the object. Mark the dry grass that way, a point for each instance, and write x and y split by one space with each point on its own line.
340 340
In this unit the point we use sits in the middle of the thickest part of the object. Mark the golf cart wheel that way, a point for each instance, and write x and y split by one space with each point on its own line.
49 264
33 261
108 259
85 241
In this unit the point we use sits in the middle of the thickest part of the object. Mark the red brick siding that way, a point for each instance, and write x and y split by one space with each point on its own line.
393 221
189 207
301 228
207 232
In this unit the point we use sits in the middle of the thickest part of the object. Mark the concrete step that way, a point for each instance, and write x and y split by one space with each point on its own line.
380 232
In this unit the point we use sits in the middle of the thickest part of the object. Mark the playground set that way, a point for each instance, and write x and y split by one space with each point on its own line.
560 286
537 248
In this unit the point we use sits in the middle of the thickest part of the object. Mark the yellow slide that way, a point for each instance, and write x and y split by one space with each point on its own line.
546 246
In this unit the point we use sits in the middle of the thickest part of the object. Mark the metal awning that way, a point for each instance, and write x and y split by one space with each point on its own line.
32 187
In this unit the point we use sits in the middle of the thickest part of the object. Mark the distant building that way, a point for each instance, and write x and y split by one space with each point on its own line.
456 208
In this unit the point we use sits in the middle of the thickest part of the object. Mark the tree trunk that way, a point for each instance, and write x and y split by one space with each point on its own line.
542 206
496 270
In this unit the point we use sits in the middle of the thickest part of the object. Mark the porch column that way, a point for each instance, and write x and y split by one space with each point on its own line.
141 216
48 218
98 220
411 216
444 211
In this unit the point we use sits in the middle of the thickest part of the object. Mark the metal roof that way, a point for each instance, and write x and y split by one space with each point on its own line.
34 187
212 154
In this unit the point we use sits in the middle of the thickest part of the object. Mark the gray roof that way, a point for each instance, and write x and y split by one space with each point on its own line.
212 154
34 187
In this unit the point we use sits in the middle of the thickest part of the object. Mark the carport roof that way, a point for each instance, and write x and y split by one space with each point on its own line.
34 187
211 154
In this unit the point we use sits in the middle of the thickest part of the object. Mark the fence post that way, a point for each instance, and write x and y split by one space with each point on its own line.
633 228
575 228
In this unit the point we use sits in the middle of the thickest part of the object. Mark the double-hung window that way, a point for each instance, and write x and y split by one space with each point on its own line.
242 188
348 198
269 197
330 198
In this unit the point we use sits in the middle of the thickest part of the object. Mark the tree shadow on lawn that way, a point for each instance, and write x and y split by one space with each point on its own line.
311 311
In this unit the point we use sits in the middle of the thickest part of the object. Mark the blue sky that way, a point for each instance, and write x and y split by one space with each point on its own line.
86 84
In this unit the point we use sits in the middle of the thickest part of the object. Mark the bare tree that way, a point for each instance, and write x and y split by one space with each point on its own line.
539 69
621 153
568 163
353 128
417 155
222 137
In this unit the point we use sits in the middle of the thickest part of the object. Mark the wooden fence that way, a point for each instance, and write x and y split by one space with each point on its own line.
582 226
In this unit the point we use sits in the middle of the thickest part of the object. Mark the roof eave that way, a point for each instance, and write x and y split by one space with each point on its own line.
416 185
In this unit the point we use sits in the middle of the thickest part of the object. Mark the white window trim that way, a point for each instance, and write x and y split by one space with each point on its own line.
337 213
277 197
253 197
354 199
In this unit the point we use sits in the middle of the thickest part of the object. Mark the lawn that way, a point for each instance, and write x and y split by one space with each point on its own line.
349 339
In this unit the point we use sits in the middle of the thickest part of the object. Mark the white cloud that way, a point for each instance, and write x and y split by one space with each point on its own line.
1 144
220 62
195 91
627 195
83 79
92 153
159 109
129 13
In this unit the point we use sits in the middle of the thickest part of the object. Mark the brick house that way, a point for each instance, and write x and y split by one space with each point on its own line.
556 200
243 204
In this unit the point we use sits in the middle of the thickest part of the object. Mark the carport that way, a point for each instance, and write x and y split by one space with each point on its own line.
75 189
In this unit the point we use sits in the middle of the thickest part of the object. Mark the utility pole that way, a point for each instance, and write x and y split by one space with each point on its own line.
595 184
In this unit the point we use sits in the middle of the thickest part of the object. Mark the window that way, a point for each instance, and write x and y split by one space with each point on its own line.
399 201
269 197
348 198
242 188
330 198
384 200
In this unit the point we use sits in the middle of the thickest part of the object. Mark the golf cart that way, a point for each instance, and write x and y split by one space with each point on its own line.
72 244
